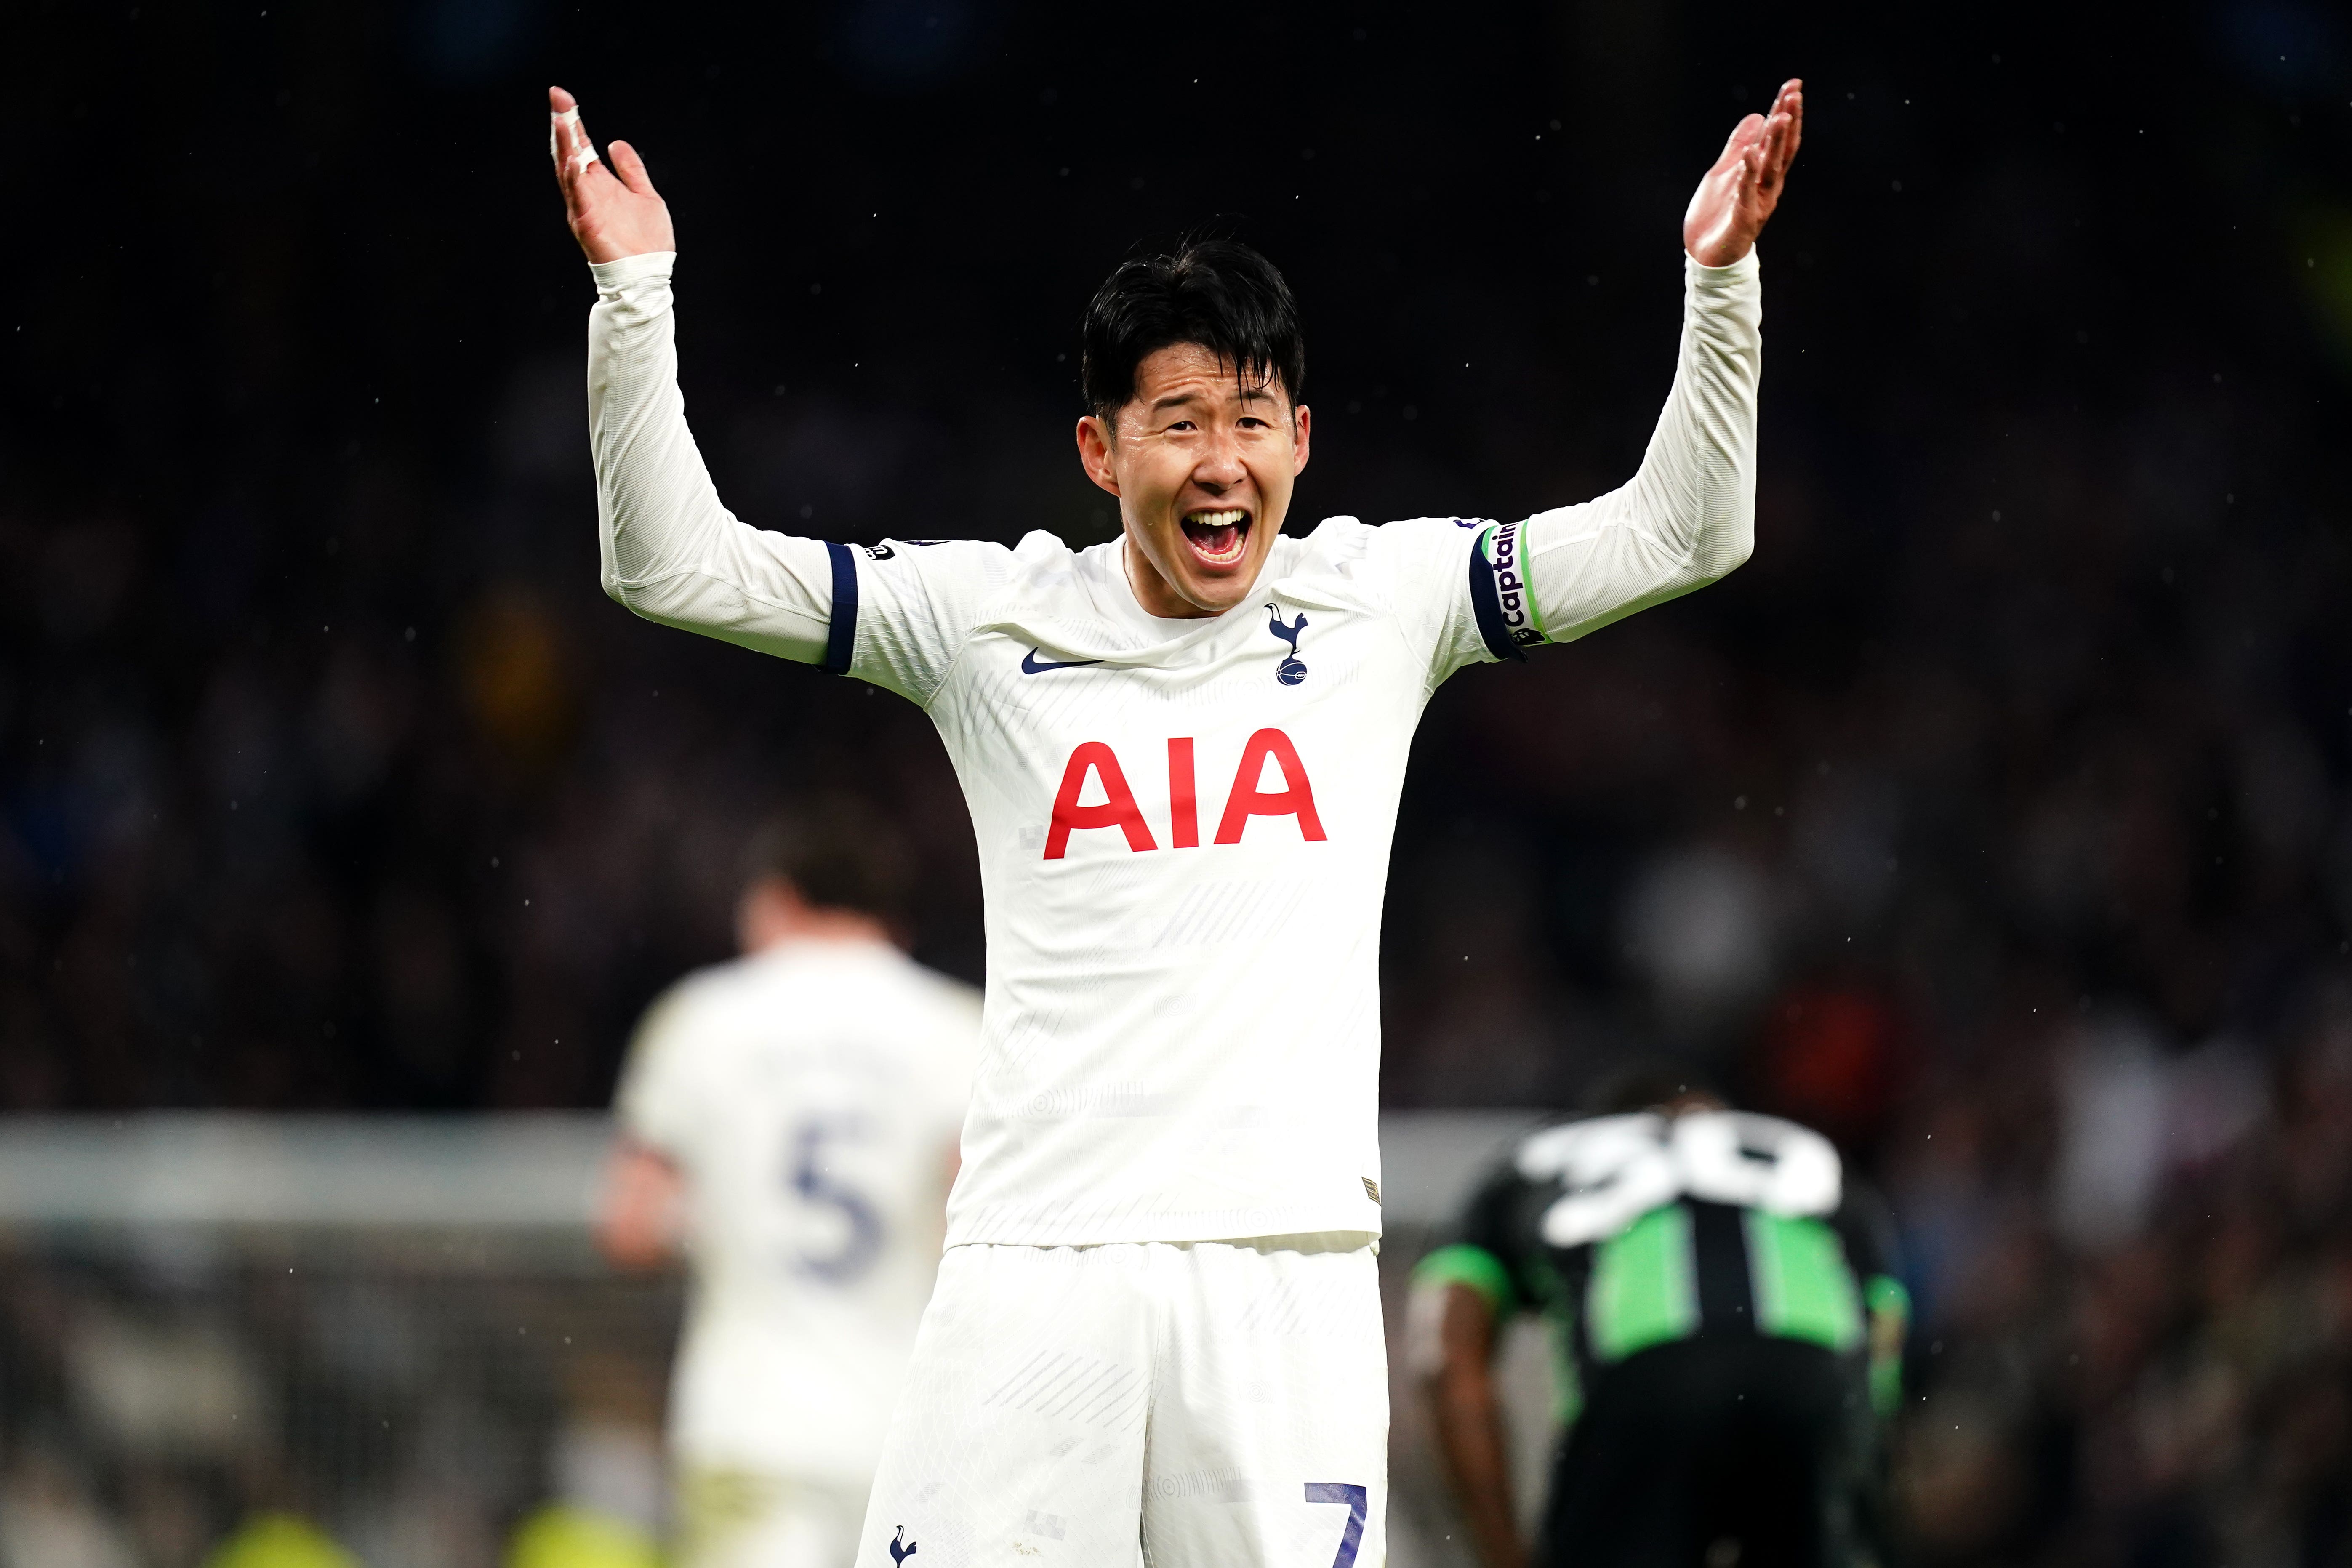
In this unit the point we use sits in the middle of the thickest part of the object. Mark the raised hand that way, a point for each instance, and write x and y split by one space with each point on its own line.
612 212
1734 202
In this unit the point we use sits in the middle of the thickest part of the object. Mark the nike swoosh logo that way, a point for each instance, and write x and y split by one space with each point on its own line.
1032 665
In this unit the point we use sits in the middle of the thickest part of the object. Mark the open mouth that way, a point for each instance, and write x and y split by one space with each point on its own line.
1217 538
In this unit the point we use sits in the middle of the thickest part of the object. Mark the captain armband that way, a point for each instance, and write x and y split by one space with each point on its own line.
1501 597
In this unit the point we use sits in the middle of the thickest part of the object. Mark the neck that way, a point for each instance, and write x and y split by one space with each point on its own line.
774 928
1154 592
1151 590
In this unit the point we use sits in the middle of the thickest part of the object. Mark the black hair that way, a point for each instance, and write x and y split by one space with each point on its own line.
1218 293
1645 1085
838 852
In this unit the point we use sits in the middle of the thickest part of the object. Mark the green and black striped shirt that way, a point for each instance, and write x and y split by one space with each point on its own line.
1632 1232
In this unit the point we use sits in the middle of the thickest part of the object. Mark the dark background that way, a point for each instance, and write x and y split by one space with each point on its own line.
1995 818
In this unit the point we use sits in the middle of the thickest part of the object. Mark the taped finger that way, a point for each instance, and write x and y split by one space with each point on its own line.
565 127
555 123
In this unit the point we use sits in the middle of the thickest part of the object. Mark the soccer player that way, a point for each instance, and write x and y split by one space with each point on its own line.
797 1108
1157 1330
1728 1334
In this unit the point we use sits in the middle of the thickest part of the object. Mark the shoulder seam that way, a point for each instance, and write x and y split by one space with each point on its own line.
1395 618
964 648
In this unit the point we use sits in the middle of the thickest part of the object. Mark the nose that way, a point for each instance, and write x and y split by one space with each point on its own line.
1220 467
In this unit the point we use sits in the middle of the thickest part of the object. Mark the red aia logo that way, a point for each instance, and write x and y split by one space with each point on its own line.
1245 800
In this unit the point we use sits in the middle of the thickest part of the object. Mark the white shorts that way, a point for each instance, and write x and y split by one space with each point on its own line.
1209 1405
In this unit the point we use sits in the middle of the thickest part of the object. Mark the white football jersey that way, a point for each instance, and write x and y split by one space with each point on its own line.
1183 831
1183 825
811 1095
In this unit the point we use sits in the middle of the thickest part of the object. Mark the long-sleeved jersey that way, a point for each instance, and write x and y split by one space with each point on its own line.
1183 825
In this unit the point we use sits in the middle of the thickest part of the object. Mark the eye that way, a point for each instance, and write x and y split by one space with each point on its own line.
1182 425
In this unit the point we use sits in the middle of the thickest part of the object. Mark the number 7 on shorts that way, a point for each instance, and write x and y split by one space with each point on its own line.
1356 1497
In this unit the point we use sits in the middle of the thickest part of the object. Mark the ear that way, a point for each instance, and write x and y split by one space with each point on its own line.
1095 453
1301 420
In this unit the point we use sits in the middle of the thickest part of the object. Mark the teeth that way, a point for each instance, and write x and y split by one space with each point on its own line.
1230 523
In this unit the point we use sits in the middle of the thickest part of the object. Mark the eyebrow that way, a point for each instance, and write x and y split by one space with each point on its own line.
1260 394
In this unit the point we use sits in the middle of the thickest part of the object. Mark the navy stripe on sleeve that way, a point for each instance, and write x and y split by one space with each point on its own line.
1487 604
841 632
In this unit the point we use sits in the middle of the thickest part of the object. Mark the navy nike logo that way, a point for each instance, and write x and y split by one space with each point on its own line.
1032 665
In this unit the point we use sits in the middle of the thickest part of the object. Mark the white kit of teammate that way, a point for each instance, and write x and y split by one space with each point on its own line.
808 1095
1157 1330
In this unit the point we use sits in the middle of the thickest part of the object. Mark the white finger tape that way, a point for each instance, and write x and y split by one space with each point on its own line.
569 117
582 158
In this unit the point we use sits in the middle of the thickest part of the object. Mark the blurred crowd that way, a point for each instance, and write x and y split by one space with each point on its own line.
2137 1342
2039 906
1997 818
185 1403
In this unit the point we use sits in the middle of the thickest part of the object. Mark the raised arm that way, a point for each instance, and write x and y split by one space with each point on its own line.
671 550
1687 516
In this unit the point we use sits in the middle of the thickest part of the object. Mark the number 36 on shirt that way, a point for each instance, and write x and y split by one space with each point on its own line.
1614 1169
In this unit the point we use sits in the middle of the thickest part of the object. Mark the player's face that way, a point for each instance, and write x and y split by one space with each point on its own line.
1202 466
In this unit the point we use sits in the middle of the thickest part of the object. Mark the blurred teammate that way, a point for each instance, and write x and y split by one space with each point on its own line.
1157 1332
789 1118
1728 1331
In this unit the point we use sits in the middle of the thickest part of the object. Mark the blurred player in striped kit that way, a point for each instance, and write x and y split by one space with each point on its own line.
789 1122
1721 1298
